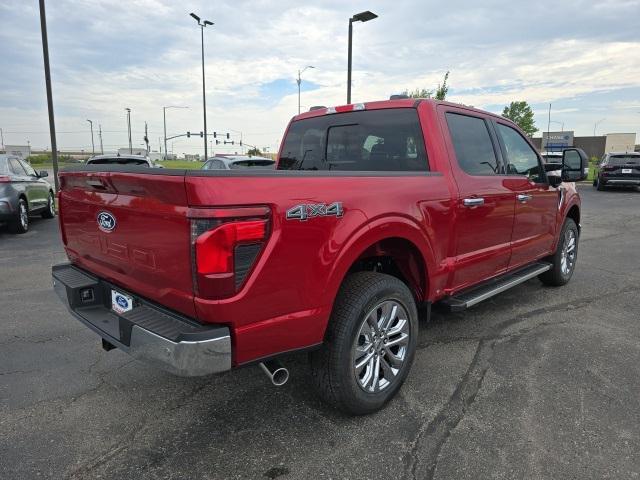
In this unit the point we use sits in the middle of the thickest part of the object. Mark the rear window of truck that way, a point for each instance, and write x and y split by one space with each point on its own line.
374 140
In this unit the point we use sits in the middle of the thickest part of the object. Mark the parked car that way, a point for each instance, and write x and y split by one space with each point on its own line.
138 160
552 157
234 162
23 192
375 209
618 170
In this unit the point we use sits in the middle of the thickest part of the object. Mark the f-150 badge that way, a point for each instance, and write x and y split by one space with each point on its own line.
305 211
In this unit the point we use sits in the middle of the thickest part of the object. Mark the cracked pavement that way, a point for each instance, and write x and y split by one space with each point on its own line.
534 383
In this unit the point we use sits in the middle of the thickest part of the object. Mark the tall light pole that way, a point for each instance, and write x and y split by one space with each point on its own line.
358 17
164 118
596 125
129 129
93 147
203 24
100 135
47 79
299 80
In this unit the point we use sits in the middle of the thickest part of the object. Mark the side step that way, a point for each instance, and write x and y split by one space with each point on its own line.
468 298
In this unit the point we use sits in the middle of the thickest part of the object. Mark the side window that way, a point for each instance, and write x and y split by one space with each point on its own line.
473 145
28 168
15 167
521 158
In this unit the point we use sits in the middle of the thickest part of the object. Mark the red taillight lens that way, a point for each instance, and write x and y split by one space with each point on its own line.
215 249
4 179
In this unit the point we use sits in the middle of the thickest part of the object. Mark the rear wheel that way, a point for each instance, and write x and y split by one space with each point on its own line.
21 223
50 212
565 257
370 343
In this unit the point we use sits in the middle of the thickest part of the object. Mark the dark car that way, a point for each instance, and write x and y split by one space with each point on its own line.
618 170
23 192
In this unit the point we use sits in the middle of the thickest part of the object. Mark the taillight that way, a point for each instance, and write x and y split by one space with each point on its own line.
225 244
4 179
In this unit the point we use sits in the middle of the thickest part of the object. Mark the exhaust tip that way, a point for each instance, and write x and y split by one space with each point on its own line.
277 373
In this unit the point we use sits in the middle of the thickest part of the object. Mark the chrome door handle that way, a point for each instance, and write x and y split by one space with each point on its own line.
524 198
473 202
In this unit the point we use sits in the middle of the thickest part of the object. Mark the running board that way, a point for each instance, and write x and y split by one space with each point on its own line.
468 298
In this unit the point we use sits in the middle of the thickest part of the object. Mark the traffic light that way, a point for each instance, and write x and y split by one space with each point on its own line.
217 142
188 134
240 142
201 135
215 135
227 136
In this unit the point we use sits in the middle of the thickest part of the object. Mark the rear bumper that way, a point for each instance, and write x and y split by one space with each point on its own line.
620 181
148 332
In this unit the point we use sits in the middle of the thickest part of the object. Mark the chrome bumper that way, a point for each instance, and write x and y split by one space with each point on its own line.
148 332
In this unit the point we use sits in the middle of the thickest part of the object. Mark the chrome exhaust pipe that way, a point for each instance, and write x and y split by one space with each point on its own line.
276 372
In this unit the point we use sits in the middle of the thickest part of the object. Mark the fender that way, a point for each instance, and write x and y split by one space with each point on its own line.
370 233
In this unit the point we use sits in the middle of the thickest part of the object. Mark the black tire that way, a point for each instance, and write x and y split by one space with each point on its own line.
50 212
333 366
558 276
21 223
599 185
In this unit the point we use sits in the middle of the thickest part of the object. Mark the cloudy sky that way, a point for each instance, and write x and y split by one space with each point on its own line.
583 57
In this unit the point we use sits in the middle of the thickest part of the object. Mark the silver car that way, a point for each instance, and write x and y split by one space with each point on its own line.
234 162
23 192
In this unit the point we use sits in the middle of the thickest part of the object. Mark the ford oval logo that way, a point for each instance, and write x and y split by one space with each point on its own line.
122 301
106 222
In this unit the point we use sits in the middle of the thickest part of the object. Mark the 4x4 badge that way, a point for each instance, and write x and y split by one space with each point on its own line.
306 211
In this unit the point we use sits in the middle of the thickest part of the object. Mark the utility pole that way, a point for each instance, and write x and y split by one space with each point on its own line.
299 80
146 137
548 129
47 78
93 147
203 24
100 135
129 129
2 138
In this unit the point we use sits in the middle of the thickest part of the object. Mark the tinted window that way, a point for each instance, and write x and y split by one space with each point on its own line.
624 159
119 161
263 164
521 158
375 140
473 145
28 168
15 166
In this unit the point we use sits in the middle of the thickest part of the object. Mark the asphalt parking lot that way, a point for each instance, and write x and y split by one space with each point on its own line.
535 383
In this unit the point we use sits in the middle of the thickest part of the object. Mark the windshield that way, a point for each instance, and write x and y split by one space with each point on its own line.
118 161
263 164
624 160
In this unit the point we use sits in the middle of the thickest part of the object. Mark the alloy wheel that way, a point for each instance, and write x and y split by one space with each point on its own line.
381 346
24 215
568 257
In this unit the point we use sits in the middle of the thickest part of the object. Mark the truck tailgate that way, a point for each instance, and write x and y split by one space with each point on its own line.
131 229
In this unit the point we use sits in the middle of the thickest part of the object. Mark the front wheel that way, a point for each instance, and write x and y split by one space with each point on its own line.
21 223
50 212
370 343
564 259
599 185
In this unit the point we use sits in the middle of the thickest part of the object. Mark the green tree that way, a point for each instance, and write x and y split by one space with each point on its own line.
254 152
439 93
521 114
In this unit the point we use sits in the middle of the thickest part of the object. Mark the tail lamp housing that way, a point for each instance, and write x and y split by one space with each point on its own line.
225 245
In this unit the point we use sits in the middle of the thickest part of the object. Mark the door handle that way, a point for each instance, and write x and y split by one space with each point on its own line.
473 202
524 198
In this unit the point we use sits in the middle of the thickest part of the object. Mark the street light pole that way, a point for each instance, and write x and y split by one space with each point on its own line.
47 79
93 147
129 129
203 24
358 17
100 135
299 80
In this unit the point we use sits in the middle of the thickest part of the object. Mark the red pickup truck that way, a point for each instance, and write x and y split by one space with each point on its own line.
375 209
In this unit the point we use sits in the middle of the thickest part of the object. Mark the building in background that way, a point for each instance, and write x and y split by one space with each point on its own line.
620 142
593 146
21 151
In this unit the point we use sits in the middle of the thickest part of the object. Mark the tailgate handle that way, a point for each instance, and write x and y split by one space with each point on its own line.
97 184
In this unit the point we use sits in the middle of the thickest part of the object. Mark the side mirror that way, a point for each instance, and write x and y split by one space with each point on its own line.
575 165
43 173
